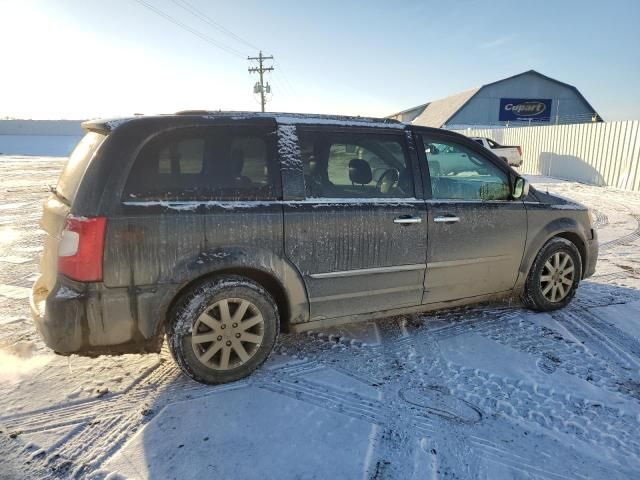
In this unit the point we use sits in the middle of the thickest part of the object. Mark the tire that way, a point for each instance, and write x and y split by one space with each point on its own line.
225 350
542 280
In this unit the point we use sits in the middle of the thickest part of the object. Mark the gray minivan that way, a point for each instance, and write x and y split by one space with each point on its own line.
221 230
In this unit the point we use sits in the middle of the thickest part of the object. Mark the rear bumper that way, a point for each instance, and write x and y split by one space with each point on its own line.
89 319
57 316
515 163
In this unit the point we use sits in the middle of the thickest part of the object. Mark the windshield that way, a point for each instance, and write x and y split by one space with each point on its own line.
77 165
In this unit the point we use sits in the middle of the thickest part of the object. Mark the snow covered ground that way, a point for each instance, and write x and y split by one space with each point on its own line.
485 392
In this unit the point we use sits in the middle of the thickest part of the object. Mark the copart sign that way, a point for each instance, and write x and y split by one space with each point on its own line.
525 109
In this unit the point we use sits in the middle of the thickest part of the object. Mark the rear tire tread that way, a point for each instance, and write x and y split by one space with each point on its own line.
193 302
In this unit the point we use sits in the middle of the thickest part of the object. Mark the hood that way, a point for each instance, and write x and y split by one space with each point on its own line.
555 201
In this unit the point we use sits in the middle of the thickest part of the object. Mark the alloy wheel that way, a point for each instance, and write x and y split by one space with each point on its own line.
227 334
557 277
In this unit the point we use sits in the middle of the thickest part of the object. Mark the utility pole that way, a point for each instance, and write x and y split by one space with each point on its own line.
260 86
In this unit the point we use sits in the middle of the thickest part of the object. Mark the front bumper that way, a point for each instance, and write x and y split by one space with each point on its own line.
592 254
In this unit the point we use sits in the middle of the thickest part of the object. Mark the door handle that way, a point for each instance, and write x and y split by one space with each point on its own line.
446 219
407 220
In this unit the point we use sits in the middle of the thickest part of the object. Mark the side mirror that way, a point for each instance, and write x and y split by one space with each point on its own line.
520 188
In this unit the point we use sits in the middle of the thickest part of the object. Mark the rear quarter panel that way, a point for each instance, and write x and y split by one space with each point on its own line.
155 250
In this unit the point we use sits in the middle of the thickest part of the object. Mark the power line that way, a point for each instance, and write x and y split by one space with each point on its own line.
195 32
221 28
205 18
260 86
284 75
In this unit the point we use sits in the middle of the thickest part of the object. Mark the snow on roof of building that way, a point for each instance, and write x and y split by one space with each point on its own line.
437 113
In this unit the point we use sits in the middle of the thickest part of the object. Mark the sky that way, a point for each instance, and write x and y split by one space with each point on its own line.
81 59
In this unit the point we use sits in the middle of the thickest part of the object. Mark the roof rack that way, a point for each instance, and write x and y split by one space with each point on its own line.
310 116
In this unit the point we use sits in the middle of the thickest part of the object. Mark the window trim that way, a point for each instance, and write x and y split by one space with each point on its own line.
407 143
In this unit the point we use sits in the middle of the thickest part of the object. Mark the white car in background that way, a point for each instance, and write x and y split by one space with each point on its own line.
510 154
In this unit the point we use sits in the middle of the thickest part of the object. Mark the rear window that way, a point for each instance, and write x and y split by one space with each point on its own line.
77 164
201 163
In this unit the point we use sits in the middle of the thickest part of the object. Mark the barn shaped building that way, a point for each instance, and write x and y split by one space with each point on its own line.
528 98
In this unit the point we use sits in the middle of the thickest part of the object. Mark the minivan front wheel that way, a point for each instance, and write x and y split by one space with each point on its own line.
554 276
222 329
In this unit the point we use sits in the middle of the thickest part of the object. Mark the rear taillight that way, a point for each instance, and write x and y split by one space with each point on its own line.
519 150
81 247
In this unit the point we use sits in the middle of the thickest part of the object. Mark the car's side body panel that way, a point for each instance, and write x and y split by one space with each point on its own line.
328 262
352 256
478 255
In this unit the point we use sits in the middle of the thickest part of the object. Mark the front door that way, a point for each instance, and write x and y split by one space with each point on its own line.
477 232
357 233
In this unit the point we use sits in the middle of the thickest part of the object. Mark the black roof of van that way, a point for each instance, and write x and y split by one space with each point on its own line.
108 125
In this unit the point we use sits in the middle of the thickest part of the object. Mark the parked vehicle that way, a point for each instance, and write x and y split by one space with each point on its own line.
511 155
221 230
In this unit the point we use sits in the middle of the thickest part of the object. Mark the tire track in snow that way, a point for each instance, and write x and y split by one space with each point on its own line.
569 414
602 339
625 239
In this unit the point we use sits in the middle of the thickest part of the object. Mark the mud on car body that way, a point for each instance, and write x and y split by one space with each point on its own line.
221 230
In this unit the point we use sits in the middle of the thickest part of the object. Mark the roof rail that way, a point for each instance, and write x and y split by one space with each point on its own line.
193 112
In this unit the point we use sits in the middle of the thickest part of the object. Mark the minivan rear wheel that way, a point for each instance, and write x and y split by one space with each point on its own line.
554 276
222 329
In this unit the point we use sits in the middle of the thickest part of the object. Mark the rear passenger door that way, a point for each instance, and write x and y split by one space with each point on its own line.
477 232
355 225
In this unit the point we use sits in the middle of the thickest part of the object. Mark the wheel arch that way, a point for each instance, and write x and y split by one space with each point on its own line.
567 228
267 280
578 242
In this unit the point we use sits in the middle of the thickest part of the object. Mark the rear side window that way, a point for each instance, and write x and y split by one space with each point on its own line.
77 164
205 163
183 157
355 165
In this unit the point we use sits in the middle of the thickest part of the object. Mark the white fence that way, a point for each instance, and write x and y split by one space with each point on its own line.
594 153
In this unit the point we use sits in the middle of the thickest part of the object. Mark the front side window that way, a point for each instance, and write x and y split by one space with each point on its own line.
221 163
458 173
355 165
